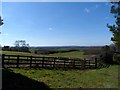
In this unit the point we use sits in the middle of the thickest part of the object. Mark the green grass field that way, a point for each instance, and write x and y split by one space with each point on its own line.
19 53
15 53
99 78
74 54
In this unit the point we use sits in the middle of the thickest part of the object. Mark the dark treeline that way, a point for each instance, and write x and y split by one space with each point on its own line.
48 51
55 49
19 49
63 49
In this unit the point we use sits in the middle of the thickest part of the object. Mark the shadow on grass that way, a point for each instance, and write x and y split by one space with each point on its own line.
104 66
14 81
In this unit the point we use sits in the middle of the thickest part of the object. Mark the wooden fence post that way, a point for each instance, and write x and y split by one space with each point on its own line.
89 64
54 63
83 64
17 61
43 62
74 64
30 61
95 62
64 63
3 57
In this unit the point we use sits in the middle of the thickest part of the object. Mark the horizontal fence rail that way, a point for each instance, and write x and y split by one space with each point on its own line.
18 61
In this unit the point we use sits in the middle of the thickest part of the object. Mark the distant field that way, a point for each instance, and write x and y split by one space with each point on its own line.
99 78
73 54
18 53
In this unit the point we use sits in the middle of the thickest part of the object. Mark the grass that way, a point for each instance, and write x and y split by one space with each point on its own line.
99 78
15 53
19 53
73 54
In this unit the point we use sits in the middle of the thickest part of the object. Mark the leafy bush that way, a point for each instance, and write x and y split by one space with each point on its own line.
107 57
116 58
92 51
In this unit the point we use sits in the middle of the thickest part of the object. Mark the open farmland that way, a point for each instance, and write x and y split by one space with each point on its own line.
73 54
99 78
16 53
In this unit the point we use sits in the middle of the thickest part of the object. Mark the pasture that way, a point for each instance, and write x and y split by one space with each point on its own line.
99 78
73 54
16 53
96 78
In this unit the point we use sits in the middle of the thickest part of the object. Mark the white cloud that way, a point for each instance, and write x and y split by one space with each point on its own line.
87 10
50 28
97 6
5 34
106 4
106 18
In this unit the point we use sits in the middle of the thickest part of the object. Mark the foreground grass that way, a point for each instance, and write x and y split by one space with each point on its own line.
99 78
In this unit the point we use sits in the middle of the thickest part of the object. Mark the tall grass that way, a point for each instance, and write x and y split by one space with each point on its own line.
99 78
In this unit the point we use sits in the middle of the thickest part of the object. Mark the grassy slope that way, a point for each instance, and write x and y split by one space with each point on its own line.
74 54
15 53
19 53
105 77
99 78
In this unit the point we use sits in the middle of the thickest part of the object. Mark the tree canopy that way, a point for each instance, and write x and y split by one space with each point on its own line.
115 28
1 21
21 43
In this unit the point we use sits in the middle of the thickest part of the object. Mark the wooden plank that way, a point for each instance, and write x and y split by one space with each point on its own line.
43 62
30 61
83 64
17 61
14 59
10 63
95 62
3 56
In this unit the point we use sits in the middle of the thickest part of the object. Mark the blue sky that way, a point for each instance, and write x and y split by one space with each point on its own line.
56 24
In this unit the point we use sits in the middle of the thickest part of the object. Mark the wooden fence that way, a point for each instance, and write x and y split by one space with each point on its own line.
17 61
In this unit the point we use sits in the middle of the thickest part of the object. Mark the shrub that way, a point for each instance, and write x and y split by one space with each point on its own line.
116 58
107 57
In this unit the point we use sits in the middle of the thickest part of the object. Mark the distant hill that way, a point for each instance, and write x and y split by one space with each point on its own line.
65 47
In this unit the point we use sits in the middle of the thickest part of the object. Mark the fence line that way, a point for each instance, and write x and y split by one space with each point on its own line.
17 61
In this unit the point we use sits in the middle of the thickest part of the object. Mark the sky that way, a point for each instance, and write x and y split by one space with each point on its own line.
56 23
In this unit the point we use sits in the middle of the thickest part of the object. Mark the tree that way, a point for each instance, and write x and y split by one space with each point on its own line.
115 29
1 21
20 45
106 55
